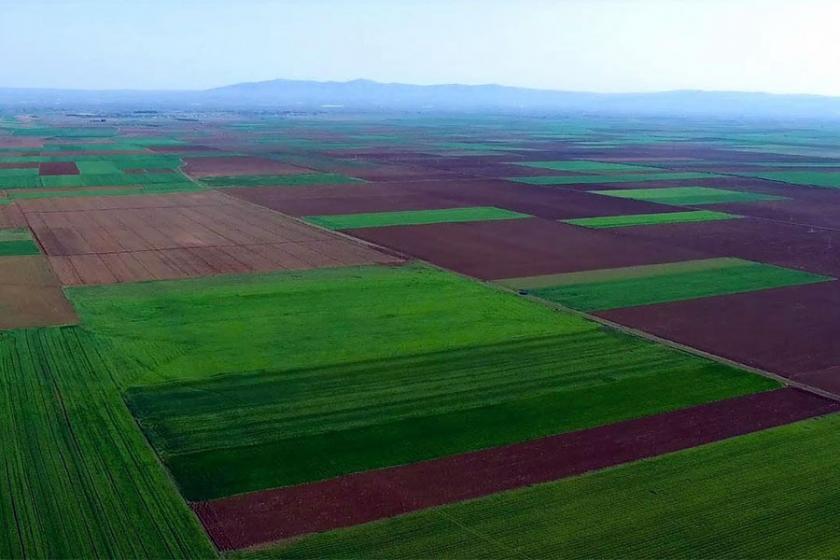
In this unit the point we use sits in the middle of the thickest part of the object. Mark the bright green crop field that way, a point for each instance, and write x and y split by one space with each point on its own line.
613 178
79 480
689 196
629 220
770 494
414 217
614 291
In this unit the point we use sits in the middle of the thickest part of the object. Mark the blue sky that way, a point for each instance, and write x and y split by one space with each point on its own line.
592 45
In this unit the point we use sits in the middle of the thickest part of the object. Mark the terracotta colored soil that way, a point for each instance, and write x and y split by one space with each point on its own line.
271 515
516 248
238 165
58 168
30 295
791 331
125 239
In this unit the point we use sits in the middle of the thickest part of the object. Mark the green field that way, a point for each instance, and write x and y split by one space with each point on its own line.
465 367
628 220
771 494
79 481
414 217
600 290
588 166
610 178
689 196
827 179
300 180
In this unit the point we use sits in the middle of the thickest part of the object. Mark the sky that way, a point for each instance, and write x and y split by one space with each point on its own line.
578 45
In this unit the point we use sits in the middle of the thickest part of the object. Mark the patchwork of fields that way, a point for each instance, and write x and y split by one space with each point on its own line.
416 336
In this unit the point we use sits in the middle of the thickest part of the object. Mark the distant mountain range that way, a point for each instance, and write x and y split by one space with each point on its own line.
368 95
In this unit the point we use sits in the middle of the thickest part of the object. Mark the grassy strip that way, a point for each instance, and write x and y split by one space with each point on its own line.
617 292
19 234
98 168
19 172
300 180
623 273
589 166
628 178
688 196
79 480
651 219
826 179
737 498
414 217
18 247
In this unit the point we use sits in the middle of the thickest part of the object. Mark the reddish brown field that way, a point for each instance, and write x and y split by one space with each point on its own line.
261 517
124 239
515 248
790 330
58 168
238 165
783 244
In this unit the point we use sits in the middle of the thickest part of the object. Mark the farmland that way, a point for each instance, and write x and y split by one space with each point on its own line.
393 335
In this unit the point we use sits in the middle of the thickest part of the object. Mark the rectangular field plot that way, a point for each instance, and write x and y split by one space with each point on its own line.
614 178
600 290
825 179
589 166
414 217
79 479
30 294
102 241
300 180
689 196
651 219
313 393
17 242
729 496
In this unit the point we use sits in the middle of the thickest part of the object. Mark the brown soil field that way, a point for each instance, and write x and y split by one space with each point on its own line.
238 165
792 246
790 331
11 216
515 248
125 239
266 516
346 199
30 295
58 168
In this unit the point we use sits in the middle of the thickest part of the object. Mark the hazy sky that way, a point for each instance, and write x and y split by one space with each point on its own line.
593 45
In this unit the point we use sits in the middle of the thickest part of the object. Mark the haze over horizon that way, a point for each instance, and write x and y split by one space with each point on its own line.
576 45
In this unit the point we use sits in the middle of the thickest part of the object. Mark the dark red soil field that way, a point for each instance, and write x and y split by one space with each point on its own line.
238 165
111 239
791 331
783 244
272 515
515 248
58 168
